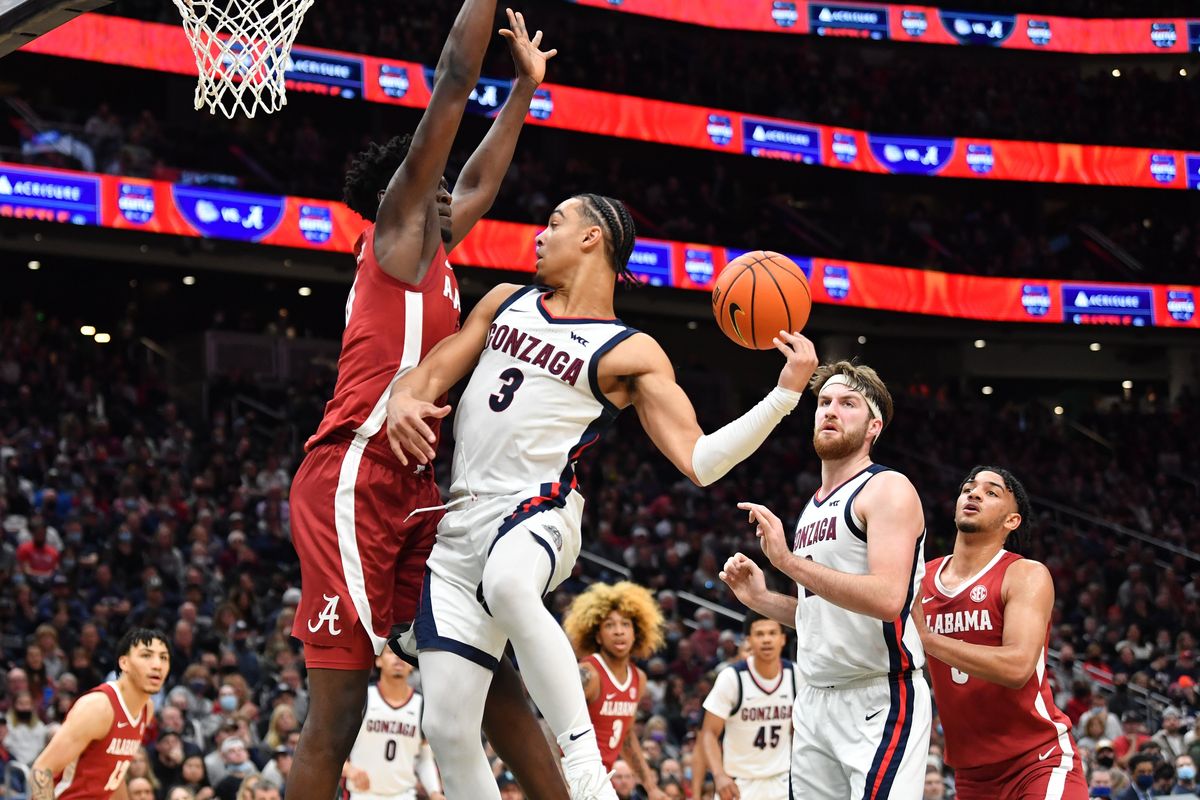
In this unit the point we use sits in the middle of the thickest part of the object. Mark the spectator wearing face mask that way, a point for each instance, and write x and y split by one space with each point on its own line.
1185 776
1105 759
238 766
26 732
1101 784
1142 770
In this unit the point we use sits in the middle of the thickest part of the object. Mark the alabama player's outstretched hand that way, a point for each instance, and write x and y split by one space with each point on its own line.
801 360
407 430
745 578
527 58
769 532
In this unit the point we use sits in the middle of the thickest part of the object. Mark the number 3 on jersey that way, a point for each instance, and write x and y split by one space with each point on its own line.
513 378
618 729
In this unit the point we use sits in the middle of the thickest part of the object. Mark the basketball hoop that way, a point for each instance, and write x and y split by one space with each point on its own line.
242 50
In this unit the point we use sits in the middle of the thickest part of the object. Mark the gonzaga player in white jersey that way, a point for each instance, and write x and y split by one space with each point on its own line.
554 366
390 754
863 713
751 703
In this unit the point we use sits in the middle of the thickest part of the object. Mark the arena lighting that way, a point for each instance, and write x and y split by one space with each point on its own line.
1183 72
1094 347
693 325
980 344
103 338
1116 73
1058 411
988 390
304 291
862 340
189 280
34 265
1126 384
88 330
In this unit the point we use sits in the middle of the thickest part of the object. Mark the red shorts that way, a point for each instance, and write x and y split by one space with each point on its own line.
361 559
1055 777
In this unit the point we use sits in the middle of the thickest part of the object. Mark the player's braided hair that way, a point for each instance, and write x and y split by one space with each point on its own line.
621 234
1024 508
370 172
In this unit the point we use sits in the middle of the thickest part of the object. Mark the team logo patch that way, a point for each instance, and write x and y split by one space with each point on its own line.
555 536
979 593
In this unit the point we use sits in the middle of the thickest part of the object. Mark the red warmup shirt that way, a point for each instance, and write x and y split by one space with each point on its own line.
390 327
1018 721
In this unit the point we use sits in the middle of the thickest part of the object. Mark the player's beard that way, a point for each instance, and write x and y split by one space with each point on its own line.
843 446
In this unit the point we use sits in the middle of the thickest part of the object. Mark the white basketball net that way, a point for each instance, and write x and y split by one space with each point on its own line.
242 50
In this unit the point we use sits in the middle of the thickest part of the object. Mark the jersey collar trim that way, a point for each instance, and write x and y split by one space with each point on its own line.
121 699
941 587
616 683
549 317
816 498
760 681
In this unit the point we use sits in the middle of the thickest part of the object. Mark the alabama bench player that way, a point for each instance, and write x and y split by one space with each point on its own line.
92 751
362 553
984 619
615 625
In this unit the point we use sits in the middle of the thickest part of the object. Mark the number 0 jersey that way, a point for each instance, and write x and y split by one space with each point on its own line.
533 404
758 718
387 746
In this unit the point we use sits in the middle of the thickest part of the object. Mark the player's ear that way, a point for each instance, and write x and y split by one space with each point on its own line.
1012 521
592 238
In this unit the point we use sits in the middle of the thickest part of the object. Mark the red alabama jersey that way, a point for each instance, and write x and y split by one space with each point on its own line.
390 327
613 711
101 767
1018 721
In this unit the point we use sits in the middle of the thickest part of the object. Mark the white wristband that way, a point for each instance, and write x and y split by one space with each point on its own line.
718 452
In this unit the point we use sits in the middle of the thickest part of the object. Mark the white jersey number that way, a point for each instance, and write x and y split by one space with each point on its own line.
618 729
958 676
118 775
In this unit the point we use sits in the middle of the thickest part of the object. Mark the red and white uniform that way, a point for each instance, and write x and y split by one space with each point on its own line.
101 767
614 709
1025 749
361 559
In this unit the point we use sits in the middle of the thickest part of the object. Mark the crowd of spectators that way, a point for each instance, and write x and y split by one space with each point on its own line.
121 507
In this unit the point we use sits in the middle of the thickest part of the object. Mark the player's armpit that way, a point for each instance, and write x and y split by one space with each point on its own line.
89 719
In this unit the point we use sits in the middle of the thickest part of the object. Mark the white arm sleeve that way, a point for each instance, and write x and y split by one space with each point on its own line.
718 452
426 770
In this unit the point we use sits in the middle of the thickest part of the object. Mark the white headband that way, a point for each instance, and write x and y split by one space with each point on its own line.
844 380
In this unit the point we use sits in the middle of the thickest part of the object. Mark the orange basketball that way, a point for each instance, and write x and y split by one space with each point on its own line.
759 294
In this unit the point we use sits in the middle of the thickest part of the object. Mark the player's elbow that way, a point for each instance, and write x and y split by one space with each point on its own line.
1017 675
889 609
455 71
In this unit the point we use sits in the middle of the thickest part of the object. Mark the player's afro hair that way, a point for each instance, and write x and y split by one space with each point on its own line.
634 602
370 172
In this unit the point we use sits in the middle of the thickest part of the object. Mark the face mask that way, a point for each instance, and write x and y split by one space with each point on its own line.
1102 791
24 716
1187 773
67 565
1105 761
1145 781
687 774
708 625
238 769
1068 663
658 736
75 539
198 687
228 703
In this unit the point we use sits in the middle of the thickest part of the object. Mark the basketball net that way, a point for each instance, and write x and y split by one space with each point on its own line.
242 50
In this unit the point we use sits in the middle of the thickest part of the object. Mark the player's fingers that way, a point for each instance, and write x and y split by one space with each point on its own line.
551 53
537 39
507 34
394 442
521 24
437 412
512 20
783 347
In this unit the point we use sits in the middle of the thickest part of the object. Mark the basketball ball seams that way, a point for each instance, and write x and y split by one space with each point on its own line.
786 306
800 278
743 305
721 316
750 316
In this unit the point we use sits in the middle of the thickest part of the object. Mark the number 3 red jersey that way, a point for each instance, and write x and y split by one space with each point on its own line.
986 723
390 327
101 767
613 711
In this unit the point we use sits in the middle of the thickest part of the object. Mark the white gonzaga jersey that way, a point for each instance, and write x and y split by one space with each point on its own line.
387 747
532 406
835 646
758 719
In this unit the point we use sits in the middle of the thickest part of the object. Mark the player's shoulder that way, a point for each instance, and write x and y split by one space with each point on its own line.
886 484
92 714
637 353
1027 573
501 296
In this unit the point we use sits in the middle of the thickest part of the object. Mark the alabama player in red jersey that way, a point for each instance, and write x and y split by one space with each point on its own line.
615 625
361 552
984 619
90 754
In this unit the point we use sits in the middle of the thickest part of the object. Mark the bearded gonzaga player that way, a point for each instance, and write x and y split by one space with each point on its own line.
984 619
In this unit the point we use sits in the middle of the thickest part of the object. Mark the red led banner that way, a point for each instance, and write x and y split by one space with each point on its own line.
925 24
163 47
109 201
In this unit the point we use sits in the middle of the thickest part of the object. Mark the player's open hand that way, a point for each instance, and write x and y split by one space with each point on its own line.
745 578
801 360
527 58
407 431
727 789
769 530
358 779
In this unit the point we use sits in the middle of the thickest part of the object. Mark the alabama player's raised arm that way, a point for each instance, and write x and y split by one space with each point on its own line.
89 719
402 222
891 509
670 419
477 185
413 396
1028 593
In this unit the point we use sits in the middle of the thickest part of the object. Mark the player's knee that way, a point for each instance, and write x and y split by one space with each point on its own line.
445 736
505 591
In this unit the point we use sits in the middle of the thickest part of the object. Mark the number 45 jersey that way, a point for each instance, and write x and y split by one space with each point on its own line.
532 406
758 718
1019 721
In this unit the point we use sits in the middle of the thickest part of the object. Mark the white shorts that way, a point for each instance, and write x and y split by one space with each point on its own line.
868 739
452 615
773 788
